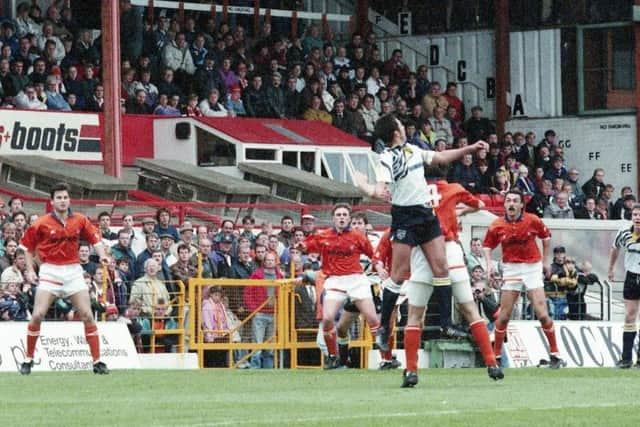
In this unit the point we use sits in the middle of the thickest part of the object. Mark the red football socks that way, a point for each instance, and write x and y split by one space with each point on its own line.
93 339
481 335
412 338
330 340
387 355
33 332
498 338
550 333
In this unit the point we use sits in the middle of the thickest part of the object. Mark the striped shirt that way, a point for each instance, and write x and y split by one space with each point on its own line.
626 239
402 167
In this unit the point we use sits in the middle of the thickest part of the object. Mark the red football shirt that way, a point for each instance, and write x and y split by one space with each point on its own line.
518 238
58 243
383 252
340 251
450 196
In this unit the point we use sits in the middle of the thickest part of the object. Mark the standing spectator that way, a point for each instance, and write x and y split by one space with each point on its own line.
575 298
564 276
292 99
556 169
262 325
342 119
163 224
57 48
122 250
370 116
227 75
474 257
177 57
85 51
152 241
202 261
148 290
167 84
594 186
199 51
207 77
215 326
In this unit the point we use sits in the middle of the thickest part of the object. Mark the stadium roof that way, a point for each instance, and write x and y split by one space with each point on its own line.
275 131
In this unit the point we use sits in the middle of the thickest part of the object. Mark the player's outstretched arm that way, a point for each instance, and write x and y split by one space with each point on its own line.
378 190
447 156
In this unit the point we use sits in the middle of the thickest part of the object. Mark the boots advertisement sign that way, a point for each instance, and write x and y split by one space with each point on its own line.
61 136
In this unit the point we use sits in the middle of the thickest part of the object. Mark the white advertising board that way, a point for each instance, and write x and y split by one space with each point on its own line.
607 142
62 347
61 136
582 344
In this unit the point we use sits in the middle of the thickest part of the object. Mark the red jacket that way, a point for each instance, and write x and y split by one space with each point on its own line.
254 296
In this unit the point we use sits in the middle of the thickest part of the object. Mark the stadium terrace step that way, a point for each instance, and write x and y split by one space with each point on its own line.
450 354
180 181
39 173
300 186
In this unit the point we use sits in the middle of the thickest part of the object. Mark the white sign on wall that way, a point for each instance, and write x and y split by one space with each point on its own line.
62 347
607 142
581 344
61 136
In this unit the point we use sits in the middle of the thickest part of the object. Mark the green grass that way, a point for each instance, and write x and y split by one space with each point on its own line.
444 397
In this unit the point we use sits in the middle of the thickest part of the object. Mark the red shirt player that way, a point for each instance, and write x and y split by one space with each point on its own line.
56 238
522 268
419 287
340 248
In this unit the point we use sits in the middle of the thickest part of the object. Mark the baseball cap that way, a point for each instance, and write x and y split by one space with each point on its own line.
148 220
183 229
559 249
167 235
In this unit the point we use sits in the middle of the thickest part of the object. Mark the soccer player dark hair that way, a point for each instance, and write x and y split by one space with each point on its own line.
60 186
337 206
360 215
517 192
385 127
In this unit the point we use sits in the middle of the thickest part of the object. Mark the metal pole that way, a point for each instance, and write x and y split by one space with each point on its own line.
502 64
111 117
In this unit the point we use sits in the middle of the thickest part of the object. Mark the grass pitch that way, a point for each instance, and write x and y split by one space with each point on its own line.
444 397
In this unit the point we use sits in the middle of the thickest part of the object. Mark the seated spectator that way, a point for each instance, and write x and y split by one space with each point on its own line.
234 104
96 101
541 199
55 48
55 101
594 187
254 99
228 76
207 77
617 209
433 99
523 182
478 127
588 211
55 19
176 56
397 70
151 90
466 174
370 116
211 107
89 82
559 207
192 109
167 84
441 125
137 105
28 100
501 183
163 108
602 208
316 113
275 97
84 50
24 24
426 134
556 169
343 119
